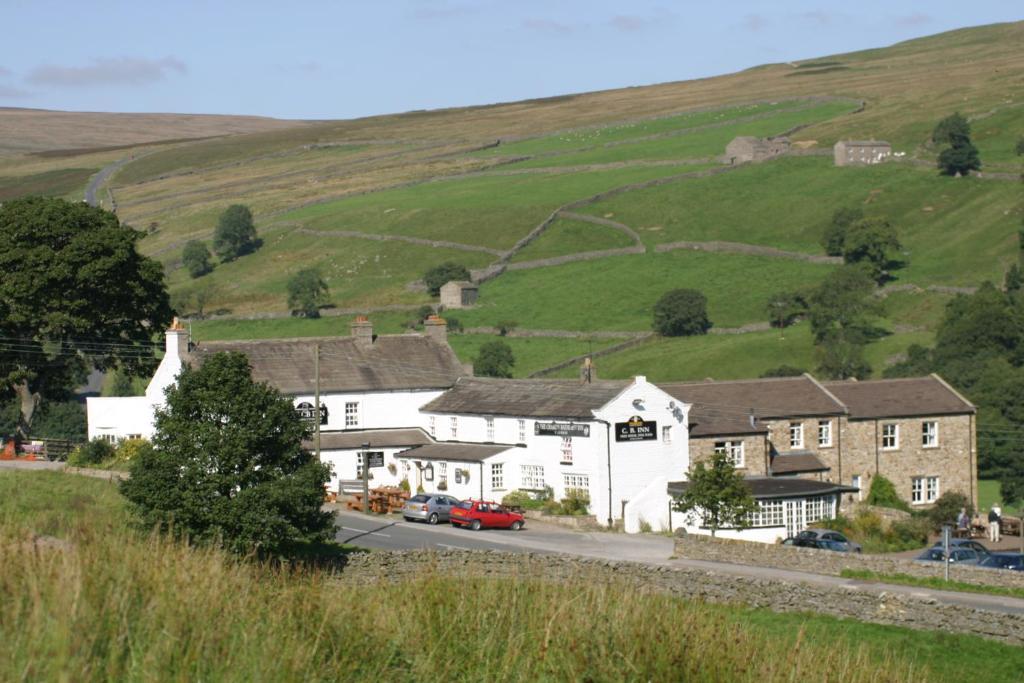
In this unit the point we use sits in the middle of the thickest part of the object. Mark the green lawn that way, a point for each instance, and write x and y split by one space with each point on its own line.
618 293
531 353
493 211
930 582
989 494
588 137
996 137
699 144
955 231
566 236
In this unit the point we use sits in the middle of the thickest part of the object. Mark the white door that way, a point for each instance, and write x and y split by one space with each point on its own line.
794 517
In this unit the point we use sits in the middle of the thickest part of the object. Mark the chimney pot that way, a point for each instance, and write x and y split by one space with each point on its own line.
587 371
436 328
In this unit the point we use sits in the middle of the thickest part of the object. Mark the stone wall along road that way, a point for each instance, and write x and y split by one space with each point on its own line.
862 603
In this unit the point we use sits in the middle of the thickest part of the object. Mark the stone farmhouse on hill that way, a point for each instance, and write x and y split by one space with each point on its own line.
861 152
459 294
745 149
806 448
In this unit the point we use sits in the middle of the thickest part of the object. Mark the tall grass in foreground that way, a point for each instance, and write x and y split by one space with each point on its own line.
116 606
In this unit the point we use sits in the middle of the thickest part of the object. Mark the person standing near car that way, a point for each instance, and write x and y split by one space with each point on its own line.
994 519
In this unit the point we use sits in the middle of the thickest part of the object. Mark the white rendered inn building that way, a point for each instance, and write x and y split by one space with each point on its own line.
407 401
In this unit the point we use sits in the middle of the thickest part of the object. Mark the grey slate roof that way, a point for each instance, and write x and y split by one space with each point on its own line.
377 438
796 462
725 408
910 397
392 362
458 452
526 397
766 487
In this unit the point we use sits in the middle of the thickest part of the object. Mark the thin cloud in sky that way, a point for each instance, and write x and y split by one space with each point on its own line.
915 19
12 92
547 26
4 72
108 71
432 13
754 22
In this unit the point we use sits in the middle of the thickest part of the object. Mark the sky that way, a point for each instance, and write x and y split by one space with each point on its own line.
321 59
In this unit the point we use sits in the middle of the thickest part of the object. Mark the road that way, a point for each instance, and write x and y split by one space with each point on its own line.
391 533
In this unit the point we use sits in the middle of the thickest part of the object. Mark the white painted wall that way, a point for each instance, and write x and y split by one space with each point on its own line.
650 505
758 535
376 410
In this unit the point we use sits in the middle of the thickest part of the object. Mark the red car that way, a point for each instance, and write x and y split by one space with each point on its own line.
477 514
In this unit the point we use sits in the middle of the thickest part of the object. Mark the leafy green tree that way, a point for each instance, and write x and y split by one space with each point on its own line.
883 494
1014 280
784 308
872 242
717 496
680 313
834 235
227 465
74 294
841 358
438 276
961 156
495 359
952 129
307 292
121 384
235 234
196 259
843 305
783 371
1019 148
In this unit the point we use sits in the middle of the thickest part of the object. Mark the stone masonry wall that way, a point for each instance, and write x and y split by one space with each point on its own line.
696 547
951 460
778 434
703 447
780 596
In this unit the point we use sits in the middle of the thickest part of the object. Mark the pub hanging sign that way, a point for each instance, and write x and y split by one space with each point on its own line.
307 411
636 429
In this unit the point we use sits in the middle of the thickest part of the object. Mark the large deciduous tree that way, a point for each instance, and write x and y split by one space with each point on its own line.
681 312
235 234
717 496
960 156
307 292
74 294
494 360
196 258
874 243
227 465
438 276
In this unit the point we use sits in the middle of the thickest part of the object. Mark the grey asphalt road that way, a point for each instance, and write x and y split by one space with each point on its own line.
392 533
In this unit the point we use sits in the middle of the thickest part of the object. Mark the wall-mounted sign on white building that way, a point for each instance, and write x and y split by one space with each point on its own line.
564 429
307 412
636 429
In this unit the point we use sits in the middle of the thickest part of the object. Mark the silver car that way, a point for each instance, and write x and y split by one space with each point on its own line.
429 507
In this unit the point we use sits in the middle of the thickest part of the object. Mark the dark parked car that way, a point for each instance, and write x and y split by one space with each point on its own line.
429 507
826 539
477 514
1013 561
956 556
982 551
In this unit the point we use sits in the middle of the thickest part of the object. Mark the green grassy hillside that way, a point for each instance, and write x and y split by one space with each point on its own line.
375 202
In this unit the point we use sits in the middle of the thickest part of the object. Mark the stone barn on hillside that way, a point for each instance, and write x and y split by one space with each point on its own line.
861 152
459 294
746 148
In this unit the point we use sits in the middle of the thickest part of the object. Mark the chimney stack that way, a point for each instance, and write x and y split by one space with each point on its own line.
177 340
436 328
362 331
588 373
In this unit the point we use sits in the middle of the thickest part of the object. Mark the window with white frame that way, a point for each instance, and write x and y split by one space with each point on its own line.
442 474
817 508
522 431
666 434
432 425
930 434
855 481
890 436
796 434
824 433
498 476
531 476
768 513
490 428
578 482
566 450
733 449
351 415
924 490
109 438
453 427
